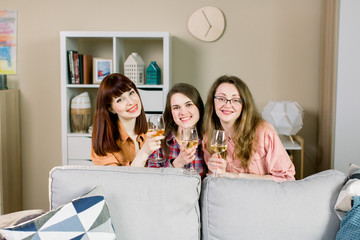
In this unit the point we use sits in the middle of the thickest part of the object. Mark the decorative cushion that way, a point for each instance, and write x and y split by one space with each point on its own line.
350 189
350 224
86 217
354 171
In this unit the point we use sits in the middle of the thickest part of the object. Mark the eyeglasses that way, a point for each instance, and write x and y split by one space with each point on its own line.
233 101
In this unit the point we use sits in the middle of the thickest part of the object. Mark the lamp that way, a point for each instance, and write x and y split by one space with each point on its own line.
285 116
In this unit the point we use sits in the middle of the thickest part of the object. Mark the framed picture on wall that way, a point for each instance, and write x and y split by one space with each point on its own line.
101 68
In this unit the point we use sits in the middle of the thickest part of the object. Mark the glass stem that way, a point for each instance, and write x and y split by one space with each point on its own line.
192 166
216 173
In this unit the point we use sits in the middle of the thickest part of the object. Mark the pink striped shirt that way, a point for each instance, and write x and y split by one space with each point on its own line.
269 156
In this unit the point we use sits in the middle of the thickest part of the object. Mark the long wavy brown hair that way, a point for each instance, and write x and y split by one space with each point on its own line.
105 128
245 125
170 126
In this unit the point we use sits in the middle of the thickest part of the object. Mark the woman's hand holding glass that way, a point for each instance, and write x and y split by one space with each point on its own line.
186 155
152 143
156 129
217 165
218 146
189 143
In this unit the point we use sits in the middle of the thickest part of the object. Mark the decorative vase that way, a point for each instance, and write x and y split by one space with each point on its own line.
80 113
3 82
153 74
134 68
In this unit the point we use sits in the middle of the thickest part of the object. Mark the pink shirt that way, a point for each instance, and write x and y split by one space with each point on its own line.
269 156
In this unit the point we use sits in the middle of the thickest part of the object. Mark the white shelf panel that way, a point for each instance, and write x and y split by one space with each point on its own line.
82 85
150 86
97 86
79 135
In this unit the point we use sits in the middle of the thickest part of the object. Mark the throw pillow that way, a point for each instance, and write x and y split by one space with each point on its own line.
350 224
354 171
86 217
350 189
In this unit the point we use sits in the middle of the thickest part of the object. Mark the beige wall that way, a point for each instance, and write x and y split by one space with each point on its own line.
271 44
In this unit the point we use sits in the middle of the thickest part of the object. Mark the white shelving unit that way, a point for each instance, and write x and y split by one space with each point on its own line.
152 46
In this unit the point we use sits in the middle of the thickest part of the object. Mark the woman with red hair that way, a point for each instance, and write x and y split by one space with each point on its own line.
120 135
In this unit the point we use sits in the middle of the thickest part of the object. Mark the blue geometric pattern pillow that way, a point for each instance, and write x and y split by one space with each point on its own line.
87 218
350 224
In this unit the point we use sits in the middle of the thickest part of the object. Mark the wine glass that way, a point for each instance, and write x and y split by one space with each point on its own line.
190 137
156 123
218 145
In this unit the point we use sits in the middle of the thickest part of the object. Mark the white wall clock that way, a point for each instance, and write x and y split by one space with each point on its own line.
207 23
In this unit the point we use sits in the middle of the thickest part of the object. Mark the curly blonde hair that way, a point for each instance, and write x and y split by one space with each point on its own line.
245 125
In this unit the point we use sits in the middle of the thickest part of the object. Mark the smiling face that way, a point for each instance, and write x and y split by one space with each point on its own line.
227 111
184 111
127 106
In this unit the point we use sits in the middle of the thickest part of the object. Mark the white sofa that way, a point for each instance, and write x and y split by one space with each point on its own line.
146 203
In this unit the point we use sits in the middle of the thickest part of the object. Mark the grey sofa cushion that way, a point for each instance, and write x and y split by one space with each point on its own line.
144 203
262 209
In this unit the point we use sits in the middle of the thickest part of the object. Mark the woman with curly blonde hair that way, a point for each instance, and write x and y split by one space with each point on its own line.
254 149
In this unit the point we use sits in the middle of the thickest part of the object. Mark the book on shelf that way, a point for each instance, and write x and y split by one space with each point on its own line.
76 68
71 70
80 68
87 69
81 73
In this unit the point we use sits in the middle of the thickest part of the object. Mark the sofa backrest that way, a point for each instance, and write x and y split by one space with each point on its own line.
262 209
144 203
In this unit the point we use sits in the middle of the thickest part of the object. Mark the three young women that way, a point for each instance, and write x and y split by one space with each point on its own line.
120 130
119 136
184 109
254 149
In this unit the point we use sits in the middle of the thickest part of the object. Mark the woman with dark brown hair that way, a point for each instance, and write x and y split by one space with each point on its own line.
184 109
254 149
119 131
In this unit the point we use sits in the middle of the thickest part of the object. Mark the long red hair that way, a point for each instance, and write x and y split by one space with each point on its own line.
105 128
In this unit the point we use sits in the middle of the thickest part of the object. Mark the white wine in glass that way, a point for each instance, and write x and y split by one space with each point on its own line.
190 137
218 145
158 131
156 123
190 144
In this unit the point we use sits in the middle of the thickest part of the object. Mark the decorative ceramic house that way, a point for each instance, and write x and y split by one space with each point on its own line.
134 68
153 74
